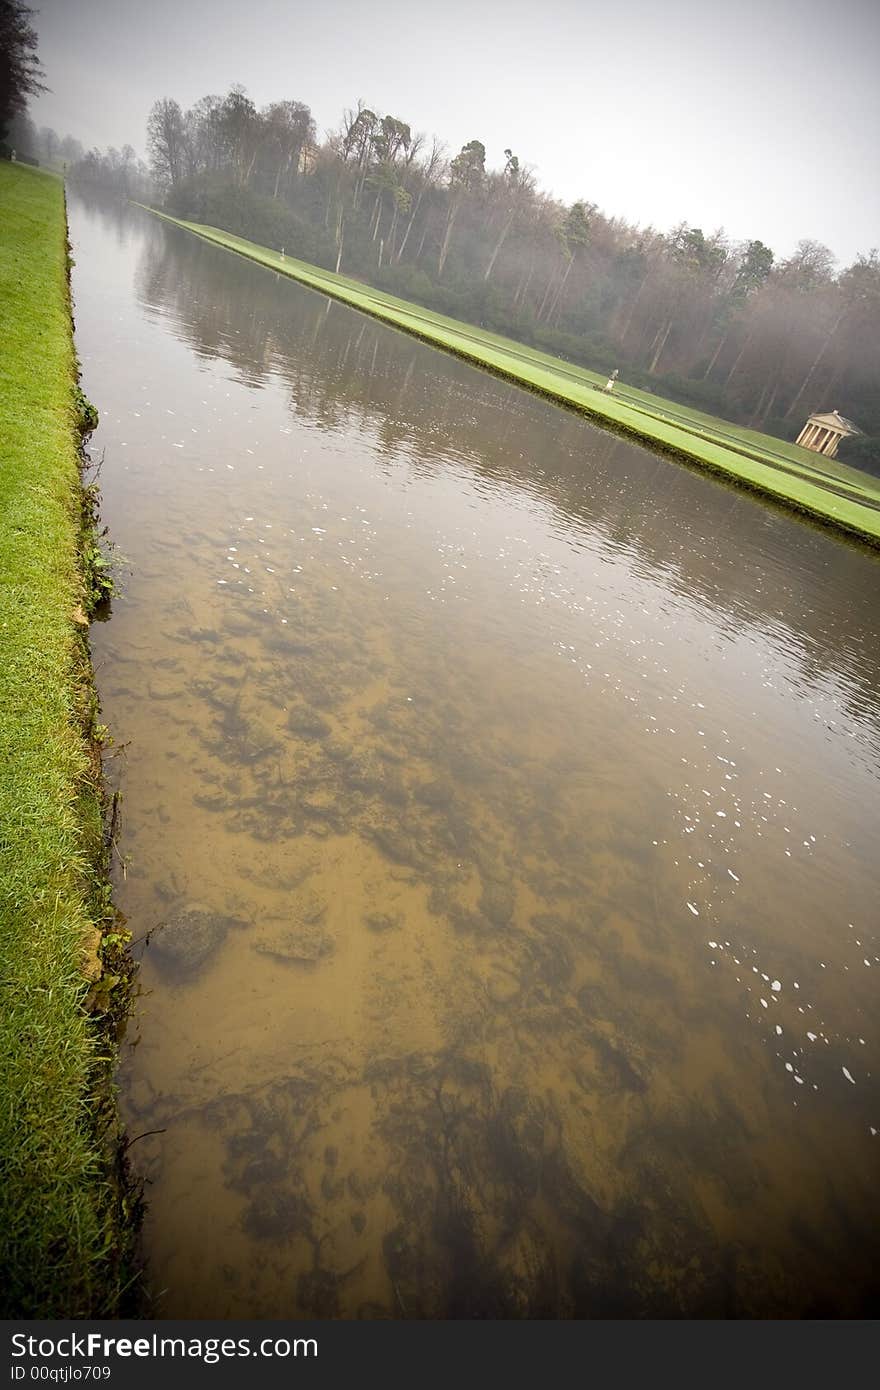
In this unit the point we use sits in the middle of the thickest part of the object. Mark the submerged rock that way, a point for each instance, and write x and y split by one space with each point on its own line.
498 901
396 845
278 1215
302 940
383 921
503 985
182 944
439 795
298 942
307 723
200 634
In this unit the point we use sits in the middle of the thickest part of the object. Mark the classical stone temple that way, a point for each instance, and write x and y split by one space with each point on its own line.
823 433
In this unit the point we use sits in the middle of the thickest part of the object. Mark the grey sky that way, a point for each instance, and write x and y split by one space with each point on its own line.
742 116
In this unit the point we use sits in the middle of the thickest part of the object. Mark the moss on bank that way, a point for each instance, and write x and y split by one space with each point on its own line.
822 489
65 1216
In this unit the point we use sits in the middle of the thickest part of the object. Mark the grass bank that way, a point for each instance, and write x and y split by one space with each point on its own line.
823 489
64 1247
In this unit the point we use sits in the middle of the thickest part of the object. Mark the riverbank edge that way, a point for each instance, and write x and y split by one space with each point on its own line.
69 1208
782 483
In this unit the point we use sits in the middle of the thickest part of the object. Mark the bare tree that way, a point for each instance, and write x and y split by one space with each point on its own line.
166 141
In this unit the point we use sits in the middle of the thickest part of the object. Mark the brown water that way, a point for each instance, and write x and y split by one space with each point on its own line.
509 797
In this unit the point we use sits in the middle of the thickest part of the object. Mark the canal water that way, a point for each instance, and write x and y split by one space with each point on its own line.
499 831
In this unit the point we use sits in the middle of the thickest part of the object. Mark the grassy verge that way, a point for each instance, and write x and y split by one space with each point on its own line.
824 489
63 1211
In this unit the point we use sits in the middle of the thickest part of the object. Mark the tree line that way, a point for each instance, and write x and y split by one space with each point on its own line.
726 326
718 324
121 171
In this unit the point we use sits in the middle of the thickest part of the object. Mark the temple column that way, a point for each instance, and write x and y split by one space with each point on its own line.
832 445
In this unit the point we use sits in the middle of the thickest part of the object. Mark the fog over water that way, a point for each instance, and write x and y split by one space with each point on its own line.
759 117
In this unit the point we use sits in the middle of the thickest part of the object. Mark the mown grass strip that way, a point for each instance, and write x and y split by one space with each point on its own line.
823 489
59 1247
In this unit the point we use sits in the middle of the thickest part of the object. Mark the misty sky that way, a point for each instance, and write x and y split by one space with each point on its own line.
761 116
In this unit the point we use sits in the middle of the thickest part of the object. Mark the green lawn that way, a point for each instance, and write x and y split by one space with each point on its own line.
822 488
58 1239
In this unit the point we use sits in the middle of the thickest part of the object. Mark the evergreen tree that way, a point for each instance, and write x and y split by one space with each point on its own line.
20 70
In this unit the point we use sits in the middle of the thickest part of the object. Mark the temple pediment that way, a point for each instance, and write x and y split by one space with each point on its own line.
833 420
822 433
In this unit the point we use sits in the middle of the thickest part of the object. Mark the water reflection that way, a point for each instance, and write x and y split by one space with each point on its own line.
505 796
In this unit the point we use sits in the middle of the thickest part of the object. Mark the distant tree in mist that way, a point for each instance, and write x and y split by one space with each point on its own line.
466 173
49 144
21 136
572 234
809 267
241 132
71 149
116 171
287 129
166 142
755 264
512 191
